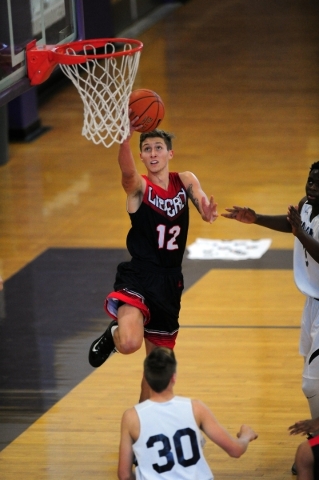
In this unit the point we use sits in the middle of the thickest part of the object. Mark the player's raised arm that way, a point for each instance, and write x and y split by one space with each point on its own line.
247 215
132 181
206 207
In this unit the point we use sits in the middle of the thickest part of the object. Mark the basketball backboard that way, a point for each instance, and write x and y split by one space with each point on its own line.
46 21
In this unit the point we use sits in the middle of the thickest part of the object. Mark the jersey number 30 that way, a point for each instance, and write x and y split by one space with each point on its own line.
166 451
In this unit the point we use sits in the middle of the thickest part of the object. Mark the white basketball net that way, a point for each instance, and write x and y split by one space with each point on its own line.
105 86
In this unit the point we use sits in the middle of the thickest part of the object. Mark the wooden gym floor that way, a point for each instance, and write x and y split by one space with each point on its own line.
240 82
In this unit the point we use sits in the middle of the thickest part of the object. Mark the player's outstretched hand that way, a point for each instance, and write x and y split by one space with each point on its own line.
242 214
304 427
247 432
134 125
209 210
293 217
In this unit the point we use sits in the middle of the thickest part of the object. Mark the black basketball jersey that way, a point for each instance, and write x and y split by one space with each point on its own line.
159 227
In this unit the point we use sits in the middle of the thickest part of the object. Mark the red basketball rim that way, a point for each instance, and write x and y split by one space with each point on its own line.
68 53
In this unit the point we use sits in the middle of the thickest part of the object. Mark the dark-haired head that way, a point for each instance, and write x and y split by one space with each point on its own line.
159 367
166 136
314 166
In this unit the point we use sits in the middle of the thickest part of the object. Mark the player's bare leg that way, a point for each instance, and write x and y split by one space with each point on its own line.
124 335
128 337
304 462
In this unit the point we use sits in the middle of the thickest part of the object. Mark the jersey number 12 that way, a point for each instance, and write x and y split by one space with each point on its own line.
167 239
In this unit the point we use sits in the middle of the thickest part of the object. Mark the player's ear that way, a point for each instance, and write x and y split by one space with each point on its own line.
173 379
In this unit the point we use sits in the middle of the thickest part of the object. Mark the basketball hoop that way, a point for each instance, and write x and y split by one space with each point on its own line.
103 71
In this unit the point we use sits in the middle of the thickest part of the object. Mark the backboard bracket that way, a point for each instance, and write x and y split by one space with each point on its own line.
40 62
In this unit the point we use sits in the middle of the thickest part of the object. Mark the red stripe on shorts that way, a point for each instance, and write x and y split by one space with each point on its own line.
161 339
132 299
314 441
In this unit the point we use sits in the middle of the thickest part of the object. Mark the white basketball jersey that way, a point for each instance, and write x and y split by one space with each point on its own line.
306 269
169 446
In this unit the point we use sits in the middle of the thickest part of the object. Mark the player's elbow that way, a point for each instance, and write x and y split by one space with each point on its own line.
236 454
127 182
237 451
124 477
123 474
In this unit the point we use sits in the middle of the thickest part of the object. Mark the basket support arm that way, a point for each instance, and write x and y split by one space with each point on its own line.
40 62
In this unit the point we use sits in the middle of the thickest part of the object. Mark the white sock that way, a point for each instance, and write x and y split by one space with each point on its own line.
113 329
112 332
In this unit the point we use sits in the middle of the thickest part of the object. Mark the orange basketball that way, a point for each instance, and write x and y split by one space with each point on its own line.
148 106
